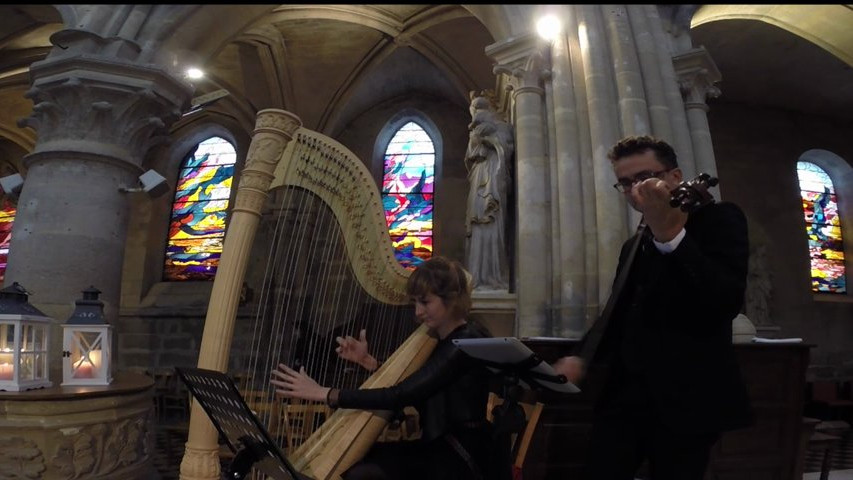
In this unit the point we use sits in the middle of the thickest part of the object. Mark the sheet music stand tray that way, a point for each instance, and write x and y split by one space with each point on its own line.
512 359
516 364
244 434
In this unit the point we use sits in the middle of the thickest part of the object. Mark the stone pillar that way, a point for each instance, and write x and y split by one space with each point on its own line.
604 131
697 75
629 81
570 292
674 101
522 58
95 119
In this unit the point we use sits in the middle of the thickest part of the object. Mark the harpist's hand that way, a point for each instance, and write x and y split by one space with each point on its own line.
571 367
293 384
356 350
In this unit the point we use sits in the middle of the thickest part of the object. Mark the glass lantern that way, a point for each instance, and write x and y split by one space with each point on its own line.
24 340
87 343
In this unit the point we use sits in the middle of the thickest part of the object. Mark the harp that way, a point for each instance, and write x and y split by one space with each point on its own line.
312 166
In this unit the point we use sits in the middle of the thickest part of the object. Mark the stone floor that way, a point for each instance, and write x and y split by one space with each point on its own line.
842 461
833 475
169 440
170 437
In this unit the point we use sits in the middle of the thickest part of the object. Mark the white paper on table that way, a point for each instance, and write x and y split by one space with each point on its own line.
776 340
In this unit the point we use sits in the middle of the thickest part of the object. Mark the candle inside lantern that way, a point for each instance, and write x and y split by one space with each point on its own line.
88 367
6 371
6 367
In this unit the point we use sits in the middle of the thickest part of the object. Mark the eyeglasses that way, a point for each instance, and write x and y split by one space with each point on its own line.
626 184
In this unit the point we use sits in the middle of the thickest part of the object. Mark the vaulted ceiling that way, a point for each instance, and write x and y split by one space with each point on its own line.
330 63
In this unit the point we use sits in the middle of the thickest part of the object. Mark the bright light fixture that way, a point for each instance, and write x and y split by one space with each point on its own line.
548 27
194 73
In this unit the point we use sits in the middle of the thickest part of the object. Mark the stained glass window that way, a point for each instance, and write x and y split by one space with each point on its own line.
407 193
197 228
7 218
823 227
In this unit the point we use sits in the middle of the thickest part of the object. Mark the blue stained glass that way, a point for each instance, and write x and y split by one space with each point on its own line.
199 211
823 227
407 187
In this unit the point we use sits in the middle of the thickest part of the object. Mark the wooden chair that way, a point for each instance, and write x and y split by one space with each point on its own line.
268 408
520 442
301 420
288 422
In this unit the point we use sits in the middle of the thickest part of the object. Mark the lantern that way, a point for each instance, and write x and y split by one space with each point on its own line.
24 340
87 343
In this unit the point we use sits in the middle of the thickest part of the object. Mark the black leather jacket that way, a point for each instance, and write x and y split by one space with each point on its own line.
450 390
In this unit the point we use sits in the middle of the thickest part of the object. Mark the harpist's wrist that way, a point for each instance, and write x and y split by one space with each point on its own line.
332 397
370 363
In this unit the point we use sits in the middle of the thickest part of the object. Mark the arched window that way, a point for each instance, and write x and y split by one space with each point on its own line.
7 218
407 193
197 227
823 226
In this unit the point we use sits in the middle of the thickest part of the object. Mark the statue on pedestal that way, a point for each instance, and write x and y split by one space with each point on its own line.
490 148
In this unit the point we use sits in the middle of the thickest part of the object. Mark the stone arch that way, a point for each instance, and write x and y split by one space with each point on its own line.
827 26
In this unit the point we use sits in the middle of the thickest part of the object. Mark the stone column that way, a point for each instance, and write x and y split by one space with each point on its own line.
629 82
604 131
96 119
570 297
674 101
522 58
697 75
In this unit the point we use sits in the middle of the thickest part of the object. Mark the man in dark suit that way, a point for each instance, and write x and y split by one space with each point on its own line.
673 384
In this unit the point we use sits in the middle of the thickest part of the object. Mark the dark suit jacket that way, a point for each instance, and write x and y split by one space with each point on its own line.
672 325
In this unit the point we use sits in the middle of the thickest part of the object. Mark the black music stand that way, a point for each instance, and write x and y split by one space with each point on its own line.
509 357
244 434
517 365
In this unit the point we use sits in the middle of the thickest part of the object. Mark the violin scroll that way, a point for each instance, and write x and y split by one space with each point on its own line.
693 194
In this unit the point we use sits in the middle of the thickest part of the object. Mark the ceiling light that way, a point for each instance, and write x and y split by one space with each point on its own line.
194 73
548 27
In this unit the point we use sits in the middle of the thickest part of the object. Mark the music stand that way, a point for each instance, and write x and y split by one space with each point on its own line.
516 364
244 434
511 358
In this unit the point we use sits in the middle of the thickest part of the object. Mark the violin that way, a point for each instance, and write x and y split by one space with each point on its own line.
691 195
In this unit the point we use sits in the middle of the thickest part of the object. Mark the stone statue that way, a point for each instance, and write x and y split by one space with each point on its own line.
758 286
490 148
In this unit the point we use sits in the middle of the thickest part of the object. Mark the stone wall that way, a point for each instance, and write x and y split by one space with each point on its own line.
757 150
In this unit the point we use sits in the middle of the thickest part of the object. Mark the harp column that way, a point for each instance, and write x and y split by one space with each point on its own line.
523 60
273 131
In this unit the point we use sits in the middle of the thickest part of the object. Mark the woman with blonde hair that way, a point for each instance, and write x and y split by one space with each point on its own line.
450 390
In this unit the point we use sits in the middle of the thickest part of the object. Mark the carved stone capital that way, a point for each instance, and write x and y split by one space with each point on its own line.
103 107
73 41
697 75
525 58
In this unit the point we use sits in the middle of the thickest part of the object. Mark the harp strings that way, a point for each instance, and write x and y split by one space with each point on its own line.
310 295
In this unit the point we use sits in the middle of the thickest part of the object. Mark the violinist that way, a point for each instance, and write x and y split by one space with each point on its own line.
672 384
